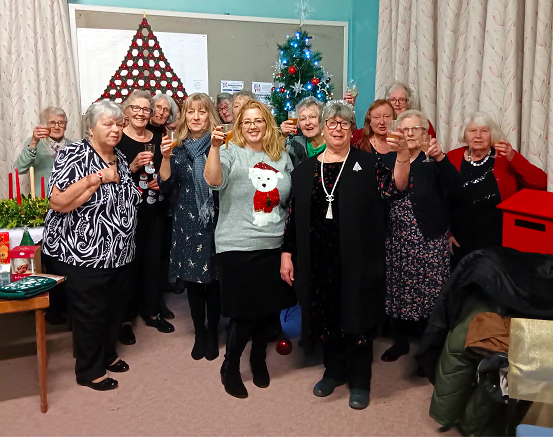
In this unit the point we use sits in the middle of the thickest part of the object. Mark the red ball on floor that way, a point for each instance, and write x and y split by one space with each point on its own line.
284 347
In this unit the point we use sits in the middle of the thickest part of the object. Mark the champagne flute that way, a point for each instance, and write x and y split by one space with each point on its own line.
425 145
149 147
227 129
173 144
293 117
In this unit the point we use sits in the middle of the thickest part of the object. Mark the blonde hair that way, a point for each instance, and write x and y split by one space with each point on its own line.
182 131
272 145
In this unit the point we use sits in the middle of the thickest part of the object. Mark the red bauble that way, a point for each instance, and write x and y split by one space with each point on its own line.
284 347
292 70
282 90
315 81
273 88
280 74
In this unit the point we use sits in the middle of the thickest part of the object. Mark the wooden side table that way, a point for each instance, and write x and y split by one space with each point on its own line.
36 304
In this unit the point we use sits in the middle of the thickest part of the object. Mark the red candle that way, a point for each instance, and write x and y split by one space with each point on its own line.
17 187
42 194
10 178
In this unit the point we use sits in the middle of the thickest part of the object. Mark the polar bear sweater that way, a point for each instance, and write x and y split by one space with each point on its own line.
253 200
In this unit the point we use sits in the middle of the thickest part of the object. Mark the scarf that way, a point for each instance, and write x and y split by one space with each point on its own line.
53 146
196 150
313 151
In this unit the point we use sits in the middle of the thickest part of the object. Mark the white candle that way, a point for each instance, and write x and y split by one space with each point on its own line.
32 176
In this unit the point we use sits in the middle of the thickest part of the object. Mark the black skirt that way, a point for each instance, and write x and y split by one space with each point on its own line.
251 286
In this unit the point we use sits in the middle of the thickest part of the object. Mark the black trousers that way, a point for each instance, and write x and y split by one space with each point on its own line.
58 294
148 284
239 333
202 297
349 359
97 300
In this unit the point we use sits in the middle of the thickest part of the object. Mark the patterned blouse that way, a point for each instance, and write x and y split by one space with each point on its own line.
100 232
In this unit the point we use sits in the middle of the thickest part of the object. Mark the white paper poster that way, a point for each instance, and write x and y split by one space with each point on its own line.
101 52
262 90
231 86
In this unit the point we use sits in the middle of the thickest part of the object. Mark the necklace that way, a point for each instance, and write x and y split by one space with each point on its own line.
482 162
330 197
113 162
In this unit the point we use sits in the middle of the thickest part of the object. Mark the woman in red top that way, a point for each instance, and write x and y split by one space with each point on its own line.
490 172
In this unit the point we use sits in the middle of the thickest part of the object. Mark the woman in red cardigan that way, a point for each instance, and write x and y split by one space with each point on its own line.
490 172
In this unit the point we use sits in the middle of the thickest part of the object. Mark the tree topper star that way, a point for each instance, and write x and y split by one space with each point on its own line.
303 10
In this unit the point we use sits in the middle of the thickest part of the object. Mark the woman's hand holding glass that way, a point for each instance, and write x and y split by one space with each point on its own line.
166 147
435 150
218 137
141 160
288 127
505 149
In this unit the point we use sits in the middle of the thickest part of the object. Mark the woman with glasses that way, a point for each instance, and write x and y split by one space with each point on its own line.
165 113
41 149
252 176
193 245
224 107
144 165
417 252
400 96
336 230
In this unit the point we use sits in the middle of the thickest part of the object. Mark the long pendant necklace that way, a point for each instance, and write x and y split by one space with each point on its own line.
330 197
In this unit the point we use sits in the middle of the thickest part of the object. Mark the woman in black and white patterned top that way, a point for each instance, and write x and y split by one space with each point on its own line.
90 234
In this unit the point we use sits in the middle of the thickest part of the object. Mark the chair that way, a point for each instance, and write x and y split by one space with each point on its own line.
36 304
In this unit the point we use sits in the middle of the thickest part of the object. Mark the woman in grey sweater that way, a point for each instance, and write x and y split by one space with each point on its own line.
252 176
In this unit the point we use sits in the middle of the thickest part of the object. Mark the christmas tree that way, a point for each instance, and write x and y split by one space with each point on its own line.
298 74
144 67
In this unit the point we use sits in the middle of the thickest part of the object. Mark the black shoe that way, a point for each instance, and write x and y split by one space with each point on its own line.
198 350
212 344
160 324
359 398
261 377
126 335
325 387
105 385
232 380
396 351
166 313
119 367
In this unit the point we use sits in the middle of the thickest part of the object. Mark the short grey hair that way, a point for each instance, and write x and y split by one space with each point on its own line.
243 93
140 94
107 107
173 108
410 113
408 92
481 119
338 108
46 113
308 102
223 96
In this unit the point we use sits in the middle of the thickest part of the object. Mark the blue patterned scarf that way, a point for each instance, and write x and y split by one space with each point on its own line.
196 150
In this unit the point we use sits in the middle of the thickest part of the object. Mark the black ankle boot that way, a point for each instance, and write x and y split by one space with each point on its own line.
232 380
261 377
198 351
212 344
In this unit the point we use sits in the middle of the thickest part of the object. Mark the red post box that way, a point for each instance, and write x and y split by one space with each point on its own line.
528 221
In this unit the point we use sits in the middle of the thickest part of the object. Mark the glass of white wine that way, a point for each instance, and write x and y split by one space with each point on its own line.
149 147
352 88
425 145
393 126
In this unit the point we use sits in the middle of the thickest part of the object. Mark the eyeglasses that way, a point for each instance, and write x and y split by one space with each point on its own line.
401 100
160 110
53 124
414 128
333 124
249 123
136 108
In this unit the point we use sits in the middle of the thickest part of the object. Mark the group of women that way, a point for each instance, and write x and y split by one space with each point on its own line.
354 224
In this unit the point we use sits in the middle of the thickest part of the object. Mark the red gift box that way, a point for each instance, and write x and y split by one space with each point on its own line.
25 261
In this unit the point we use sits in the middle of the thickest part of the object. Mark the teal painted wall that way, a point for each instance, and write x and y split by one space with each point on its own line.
362 16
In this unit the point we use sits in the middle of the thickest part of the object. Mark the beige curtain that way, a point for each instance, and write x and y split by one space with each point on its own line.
36 70
480 55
